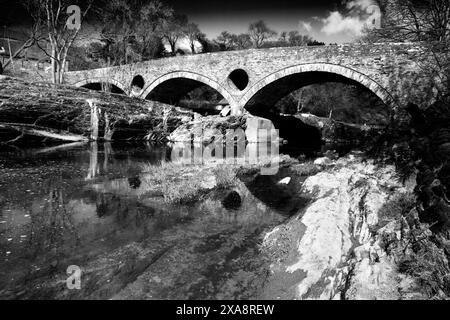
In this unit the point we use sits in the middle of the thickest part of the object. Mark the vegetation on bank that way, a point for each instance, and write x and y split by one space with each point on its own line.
418 143
420 149
416 250
180 184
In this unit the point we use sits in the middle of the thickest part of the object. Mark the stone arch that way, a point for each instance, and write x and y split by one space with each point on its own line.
102 80
190 76
335 69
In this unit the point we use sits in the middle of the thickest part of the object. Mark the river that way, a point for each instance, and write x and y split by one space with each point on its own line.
89 206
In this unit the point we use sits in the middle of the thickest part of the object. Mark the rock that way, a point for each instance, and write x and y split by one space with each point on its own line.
331 154
340 222
323 162
232 201
254 125
134 182
225 111
209 183
374 281
285 181
205 130
22 111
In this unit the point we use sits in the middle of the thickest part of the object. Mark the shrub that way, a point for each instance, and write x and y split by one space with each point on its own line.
225 176
396 208
429 267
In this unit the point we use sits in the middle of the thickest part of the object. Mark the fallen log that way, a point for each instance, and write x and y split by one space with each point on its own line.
33 130
68 113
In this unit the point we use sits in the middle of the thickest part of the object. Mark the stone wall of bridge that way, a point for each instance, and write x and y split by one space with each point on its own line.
392 71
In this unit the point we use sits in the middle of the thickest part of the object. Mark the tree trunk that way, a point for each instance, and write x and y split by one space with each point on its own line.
173 45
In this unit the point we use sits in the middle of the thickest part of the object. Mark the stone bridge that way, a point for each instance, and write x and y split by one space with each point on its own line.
264 76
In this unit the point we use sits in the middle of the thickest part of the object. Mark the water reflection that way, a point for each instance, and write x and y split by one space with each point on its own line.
75 203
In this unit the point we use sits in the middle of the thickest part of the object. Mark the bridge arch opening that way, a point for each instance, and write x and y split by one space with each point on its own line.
288 97
239 78
137 85
192 92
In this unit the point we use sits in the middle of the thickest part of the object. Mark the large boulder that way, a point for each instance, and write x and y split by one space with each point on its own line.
258 129
336 247
206 130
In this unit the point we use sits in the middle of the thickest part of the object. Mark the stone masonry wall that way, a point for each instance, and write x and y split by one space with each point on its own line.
392 71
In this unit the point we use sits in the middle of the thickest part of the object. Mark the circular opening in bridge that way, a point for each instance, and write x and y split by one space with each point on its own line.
138 82
239 78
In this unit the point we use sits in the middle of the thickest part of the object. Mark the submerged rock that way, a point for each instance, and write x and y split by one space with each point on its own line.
285 181
323 162
232 201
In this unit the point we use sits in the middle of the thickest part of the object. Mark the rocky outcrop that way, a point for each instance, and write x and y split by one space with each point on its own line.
205 130
336 248
75 114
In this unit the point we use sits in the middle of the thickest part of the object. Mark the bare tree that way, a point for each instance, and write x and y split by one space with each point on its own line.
413 20
133 30
51 16
259 32
173 29
296 39
152 17
426 21
226 41
193 35
243 41
34 36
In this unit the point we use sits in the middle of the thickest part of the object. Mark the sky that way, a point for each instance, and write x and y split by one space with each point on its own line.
330 21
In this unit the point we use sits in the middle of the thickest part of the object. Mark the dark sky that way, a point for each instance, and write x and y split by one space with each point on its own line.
207 7
215 16
325 20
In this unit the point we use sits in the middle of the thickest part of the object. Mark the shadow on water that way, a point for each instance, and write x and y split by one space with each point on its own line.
92 206
283 197
302 139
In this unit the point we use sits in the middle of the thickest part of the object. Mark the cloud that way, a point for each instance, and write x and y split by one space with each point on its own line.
306 26
359 15
360 4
